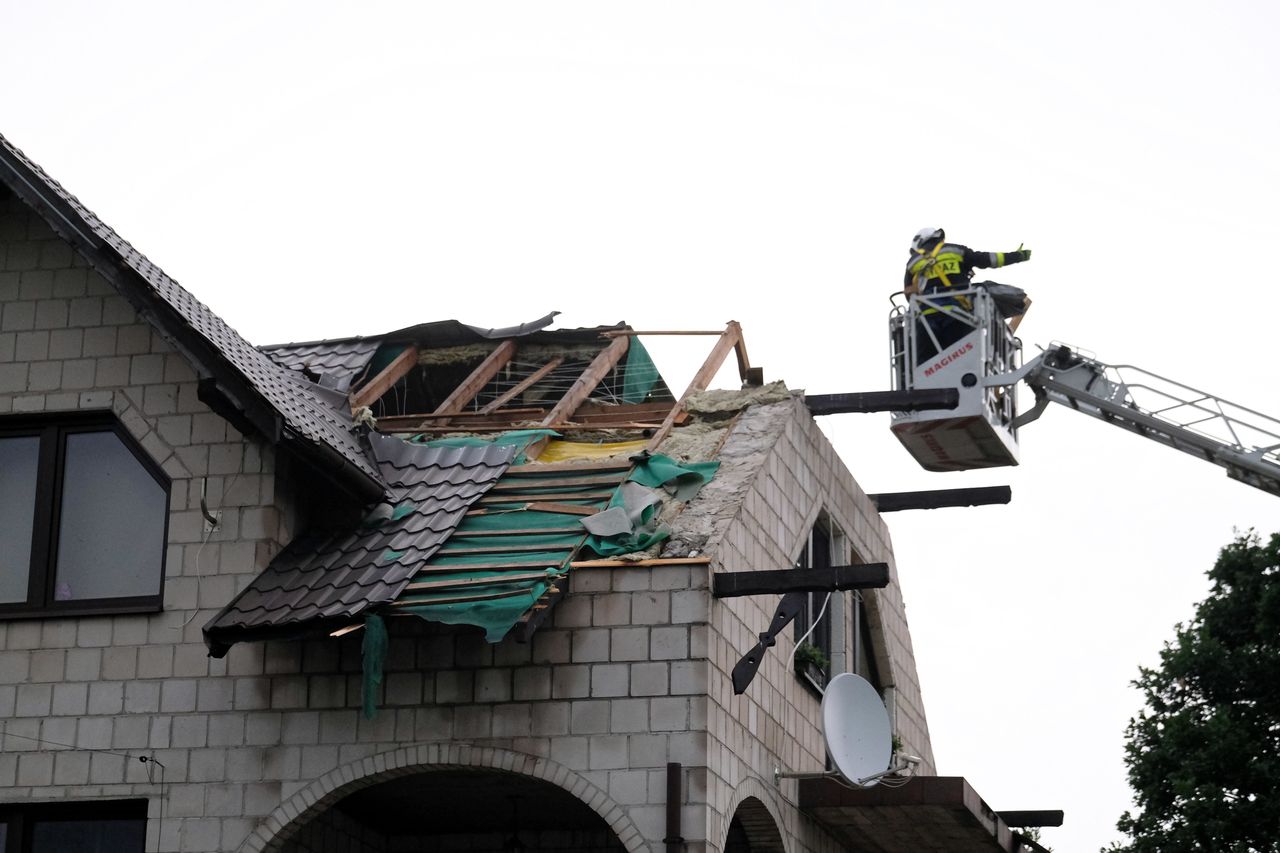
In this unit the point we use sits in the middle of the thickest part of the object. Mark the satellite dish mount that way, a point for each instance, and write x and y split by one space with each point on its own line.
858 735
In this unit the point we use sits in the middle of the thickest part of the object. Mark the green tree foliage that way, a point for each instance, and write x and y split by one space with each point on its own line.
1204 757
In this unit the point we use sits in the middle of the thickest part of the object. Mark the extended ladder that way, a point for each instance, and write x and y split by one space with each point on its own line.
1245 442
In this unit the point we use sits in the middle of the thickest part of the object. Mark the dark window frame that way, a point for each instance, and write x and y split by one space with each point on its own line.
864 646
19 819
815 553
52 432
826 545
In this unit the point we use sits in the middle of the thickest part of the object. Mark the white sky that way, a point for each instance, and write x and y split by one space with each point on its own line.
314 170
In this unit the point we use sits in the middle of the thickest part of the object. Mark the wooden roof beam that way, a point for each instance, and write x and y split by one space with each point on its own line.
730 339
523 385
740 348
371 391
606 360
480 377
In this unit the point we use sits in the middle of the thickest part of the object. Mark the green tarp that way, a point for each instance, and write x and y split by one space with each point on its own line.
538 542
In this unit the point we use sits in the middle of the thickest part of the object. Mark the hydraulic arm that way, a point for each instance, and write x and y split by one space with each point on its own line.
981 364
1245 442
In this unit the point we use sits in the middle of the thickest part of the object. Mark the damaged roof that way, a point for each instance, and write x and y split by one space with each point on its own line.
339 362
323 579
412 551
279 403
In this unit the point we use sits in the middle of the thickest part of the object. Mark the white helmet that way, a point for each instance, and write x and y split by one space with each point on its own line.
926 236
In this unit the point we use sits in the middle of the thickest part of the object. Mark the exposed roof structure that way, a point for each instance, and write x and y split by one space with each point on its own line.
327 579
338 362
338 405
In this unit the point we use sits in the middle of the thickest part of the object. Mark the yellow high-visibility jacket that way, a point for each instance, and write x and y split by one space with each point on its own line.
950 266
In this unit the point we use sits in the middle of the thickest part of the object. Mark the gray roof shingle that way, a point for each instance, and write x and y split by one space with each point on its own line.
337 362
309 413
328 578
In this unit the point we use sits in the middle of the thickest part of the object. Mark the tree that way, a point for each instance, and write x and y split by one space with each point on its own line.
1204 756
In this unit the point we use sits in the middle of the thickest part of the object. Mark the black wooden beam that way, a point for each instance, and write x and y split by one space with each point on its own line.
1033 817
883 401
938 498
781 581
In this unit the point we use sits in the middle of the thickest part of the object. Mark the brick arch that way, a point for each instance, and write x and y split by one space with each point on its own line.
757 809
324 792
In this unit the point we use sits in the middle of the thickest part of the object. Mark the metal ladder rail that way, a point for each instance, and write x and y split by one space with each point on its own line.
1244 429
1258 467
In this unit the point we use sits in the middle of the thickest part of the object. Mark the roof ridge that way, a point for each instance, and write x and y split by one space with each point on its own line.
307 414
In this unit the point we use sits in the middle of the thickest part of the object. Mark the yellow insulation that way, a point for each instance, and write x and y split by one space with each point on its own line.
566 451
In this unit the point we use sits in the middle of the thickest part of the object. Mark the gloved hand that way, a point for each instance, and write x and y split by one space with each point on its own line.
1026 253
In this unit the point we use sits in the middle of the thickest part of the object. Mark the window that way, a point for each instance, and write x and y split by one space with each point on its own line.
83 519
813 624
823 652
118 826
864 655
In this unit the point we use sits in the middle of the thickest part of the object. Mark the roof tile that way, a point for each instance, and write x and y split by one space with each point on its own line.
328 575
318 416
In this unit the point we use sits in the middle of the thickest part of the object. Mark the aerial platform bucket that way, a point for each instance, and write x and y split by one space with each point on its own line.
979 432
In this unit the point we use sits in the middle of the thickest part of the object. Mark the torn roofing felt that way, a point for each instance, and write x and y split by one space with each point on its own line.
326 581
512 553
235 376
341 361
512 548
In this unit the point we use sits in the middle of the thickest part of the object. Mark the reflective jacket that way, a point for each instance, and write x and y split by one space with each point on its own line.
950 266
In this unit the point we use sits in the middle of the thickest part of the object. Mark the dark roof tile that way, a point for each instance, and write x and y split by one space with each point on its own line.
341 575
319 417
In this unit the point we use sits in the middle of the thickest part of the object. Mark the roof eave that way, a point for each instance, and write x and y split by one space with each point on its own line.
219 379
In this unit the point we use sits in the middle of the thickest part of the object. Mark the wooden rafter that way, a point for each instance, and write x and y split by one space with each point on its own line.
605 361
523 385
427 586
386 378
472 385
730 339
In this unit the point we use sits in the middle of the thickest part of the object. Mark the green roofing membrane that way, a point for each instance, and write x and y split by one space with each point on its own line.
518 540
505 555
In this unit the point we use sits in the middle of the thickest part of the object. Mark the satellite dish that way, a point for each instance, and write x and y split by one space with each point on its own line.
856 727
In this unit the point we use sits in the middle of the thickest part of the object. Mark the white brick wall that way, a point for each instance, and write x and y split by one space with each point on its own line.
631 672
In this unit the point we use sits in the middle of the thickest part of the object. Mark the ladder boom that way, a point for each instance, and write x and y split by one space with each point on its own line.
1245 442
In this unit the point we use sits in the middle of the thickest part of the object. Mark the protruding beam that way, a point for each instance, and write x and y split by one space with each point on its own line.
389 376
883 401
1033 817
938 498
730 339
782 581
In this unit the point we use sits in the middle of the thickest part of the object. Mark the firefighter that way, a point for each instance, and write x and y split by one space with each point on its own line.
935 267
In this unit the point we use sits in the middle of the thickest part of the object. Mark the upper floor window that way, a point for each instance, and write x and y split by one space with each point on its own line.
825 622
83 518
814 623
864 654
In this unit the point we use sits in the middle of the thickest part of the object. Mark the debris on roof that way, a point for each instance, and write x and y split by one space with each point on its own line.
577 414
325 579
574 417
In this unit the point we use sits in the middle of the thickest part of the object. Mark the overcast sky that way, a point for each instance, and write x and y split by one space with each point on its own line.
312 170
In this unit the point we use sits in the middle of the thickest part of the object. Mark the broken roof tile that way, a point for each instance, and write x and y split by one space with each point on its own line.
325 576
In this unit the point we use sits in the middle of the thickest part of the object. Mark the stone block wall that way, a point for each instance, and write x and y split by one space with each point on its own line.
793 476
630 673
